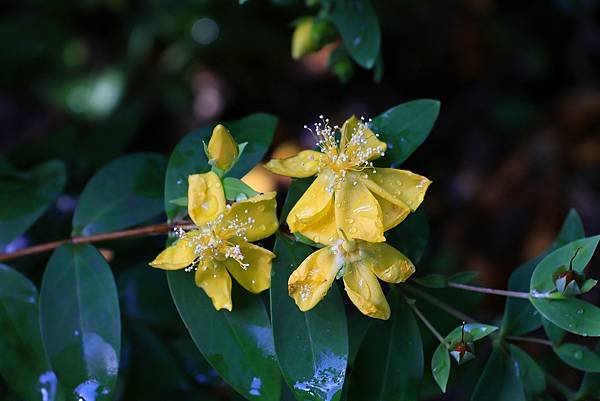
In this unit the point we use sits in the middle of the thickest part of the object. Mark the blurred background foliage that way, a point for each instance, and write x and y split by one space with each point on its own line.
517 143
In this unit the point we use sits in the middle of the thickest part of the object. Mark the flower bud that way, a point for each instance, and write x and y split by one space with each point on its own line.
303 41
568 282
222 149
463 352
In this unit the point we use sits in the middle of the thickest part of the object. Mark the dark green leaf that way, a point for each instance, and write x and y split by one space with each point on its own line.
571 230
358 25
542 280
554 333
80 321
234 188
463 277
405 127
500 380
520 317
432 281
312 347
188 156
531 375
440 366
578 357
590 385
410 237
358 325
389 364
25 196
23 363
124 193
238 344
571 314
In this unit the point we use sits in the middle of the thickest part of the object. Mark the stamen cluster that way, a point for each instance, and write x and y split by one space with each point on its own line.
354 155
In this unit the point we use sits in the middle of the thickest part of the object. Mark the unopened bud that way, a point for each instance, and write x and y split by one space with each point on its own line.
463 351
222 149
303 41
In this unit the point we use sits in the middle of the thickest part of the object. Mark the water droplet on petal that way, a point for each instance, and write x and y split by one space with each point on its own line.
261 208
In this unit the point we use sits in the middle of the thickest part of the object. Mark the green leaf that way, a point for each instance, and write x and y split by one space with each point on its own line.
358 324
500 379
463 277
359 28
23 364
432 281
188 156
389 364
124 193
80 321
183 201
440 366
238 344
531 375
236 188
554 333
578 357
590 385
410 237
520 317
25 196
405 127
473 332
312 347
571 314
542 280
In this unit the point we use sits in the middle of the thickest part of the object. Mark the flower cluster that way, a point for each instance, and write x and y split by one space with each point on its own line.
348 208
218 245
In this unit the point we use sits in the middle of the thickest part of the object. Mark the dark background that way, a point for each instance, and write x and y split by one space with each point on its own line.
517 143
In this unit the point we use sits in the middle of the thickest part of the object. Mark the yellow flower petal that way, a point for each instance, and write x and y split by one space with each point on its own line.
309 283
206 199
388 263
256 277
304 164
372 142
398 186
214 279
393 213
222 148
357 212
178 256
365 291
323 230
261 209
312 205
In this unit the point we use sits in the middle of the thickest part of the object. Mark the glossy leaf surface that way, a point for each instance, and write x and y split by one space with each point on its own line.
80 321
124 193
25 196
500 380
238 344
404 128
23 363
389 364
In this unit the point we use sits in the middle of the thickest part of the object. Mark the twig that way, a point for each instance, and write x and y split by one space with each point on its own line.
531 340
154 229
427 323
493 291
440 304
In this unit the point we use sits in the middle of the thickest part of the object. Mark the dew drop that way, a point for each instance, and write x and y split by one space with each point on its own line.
353 230
179 181
578 355
580 311
261 208
350 221
262 227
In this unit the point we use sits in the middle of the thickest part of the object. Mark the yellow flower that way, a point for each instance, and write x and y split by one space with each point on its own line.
360 263
222 148
349 195
219 243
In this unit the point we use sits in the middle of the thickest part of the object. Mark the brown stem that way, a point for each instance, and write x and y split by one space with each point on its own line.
154 229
